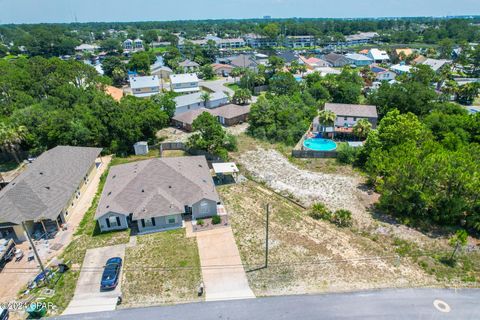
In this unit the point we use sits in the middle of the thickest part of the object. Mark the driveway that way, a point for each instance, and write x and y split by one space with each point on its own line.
218 85
222 271
88 297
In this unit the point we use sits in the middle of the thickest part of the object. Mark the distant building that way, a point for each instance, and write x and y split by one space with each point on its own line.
401 68
436 64
299 41
378 56
227 115
313 62
146 86
85 47
243 61
132 45
189 66
359 60
382 74
184 83
336 60
402 52
258 41
162 72
358 38
289 56
221 69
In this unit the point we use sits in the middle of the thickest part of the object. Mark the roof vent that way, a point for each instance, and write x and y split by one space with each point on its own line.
169 187
109 193
114 176
143 190
200 166
41 172
47 187
108 206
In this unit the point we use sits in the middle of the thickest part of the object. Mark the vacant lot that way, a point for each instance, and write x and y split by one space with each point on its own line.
308 255
162 267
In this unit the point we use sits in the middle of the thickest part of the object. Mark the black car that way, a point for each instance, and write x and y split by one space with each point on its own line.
111 274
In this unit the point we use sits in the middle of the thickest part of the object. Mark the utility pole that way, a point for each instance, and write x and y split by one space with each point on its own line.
266 236
35 252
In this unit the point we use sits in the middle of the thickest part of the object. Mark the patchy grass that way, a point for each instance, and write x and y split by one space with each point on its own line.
174 153
307 255
233 86
153 153
163 267
476 102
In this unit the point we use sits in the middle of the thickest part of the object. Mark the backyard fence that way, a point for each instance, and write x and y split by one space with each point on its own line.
181 146
313 154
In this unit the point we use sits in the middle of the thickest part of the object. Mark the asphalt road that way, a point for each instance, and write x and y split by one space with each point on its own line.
392 304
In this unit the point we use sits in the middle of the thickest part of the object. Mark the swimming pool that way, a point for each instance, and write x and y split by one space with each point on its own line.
320 144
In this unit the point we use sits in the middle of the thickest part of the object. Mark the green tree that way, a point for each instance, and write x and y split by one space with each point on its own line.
11 137
241 96
206 72
457 241
362 128
283 83
141 61
205 97
271 31
210 136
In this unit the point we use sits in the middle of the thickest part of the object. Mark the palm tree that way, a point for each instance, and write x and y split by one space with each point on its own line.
205 98
11 137
325 118
362 128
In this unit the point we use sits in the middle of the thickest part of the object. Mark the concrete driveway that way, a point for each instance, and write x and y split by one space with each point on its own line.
88 297
222 271
218 85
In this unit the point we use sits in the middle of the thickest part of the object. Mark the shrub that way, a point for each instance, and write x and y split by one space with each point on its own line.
347 154
200 222
342 218
216 219
320 212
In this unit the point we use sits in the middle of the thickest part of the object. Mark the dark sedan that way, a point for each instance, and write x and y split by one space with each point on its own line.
111 274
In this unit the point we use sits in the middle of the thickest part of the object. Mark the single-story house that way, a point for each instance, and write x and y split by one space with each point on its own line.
348 115
45 193
85 47
194 101
156 194
401 68
378 56
313 62
359 60
184 83
402 52
243 61
227 115
231 114
327 70
162 72
146 86
336 60
382 74
289 56
436 64
185 120
419 59
189 66
221 69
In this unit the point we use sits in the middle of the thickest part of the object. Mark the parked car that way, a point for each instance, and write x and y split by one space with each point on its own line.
111 274
4 314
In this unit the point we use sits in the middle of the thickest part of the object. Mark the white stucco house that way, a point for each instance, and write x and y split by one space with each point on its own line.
184 83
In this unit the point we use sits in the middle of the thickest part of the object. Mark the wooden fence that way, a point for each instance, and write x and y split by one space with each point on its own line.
182 146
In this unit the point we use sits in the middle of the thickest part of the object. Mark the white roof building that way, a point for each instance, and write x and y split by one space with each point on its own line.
401 68
183 83
378 55
144 86
436 64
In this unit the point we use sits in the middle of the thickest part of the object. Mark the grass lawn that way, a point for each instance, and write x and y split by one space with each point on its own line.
153 153
233 86
476 102
163 267
159 50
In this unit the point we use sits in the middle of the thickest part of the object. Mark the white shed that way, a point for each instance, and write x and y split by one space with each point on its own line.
141 148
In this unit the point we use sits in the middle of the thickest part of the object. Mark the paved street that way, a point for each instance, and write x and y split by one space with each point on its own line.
87 297
391 304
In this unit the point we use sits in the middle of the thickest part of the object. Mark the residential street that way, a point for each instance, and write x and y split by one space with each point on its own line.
391 304
218 85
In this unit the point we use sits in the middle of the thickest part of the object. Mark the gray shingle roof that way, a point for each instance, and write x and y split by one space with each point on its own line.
189 116
230 111
156 187
354 110
45 187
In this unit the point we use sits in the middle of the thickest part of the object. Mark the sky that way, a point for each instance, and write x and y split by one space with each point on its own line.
35 11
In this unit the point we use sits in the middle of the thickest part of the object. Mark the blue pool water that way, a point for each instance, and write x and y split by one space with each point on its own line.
320 144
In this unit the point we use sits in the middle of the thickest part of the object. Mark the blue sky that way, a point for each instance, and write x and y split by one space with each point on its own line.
32 11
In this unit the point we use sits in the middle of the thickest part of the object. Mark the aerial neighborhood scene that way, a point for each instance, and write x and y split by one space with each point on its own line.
254 160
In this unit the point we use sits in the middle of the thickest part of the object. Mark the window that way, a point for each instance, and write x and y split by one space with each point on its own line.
171 220
354 118
345 118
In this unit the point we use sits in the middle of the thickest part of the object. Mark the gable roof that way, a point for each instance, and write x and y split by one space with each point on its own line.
435 64
406 51
243 61
188 63
196 97
333 57
231 110
115 93
43 190
156 187
355 110
189 116
288 56
217 66
358 57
